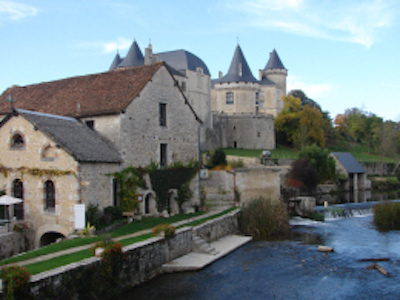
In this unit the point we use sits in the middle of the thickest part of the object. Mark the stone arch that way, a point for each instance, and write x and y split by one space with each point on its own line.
50 237
55 230
149 204
17 140
48 153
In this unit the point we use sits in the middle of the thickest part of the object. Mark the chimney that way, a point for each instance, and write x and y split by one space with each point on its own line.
149 57
260 74
219 75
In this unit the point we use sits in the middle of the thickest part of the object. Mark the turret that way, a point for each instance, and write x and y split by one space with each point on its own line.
134 57
275 71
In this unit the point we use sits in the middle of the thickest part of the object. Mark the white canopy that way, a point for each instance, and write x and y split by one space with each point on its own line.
8 200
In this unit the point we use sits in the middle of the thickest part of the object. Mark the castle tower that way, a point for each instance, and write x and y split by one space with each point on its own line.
238 90
117 60
275 71
133 58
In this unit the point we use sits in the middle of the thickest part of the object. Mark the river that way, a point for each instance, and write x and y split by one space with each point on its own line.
293 268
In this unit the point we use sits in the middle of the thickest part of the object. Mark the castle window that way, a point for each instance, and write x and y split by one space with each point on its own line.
229 98
50 195
18 192
183 86
90 124
256 98
162 114
17 142
163 155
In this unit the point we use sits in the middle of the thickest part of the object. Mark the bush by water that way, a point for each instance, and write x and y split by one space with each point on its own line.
387 216
263 218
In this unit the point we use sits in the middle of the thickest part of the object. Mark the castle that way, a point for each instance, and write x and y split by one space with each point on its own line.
60 140
237 109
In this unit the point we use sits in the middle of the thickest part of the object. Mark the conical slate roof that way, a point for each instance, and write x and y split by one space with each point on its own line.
134 58
274 62
239 69
117 60
181 60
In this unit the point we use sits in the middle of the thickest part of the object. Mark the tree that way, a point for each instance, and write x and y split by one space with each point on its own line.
321 161
299 126
302 170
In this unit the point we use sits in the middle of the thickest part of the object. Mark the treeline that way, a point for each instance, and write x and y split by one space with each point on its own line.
302 122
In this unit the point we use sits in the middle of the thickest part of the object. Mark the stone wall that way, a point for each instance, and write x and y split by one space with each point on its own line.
250 182
13 243
143 260
247 131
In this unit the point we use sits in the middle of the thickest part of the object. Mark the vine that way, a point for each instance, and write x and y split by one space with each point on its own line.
35 171
173 177
129 179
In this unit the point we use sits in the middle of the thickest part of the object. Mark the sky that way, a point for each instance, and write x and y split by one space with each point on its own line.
341 53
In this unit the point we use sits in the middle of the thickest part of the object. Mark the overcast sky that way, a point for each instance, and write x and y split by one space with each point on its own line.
341 53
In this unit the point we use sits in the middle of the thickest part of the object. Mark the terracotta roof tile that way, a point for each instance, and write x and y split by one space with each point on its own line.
90 95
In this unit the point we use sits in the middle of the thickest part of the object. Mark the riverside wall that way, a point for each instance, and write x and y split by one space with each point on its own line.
143 260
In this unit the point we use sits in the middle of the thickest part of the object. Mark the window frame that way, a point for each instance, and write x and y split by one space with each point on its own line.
229 98
162 114
49 196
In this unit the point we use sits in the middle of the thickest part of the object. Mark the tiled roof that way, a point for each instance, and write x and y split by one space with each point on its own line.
83 143
274 61
82 96
239 69
348 161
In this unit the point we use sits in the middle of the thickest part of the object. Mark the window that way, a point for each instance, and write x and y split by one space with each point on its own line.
90 124
50 197
163 155
17 142
162 114
49 153
229 98
183 86
115 192
18 192
256 98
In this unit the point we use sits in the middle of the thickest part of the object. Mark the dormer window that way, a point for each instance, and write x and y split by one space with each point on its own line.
49 153
17 141
90 124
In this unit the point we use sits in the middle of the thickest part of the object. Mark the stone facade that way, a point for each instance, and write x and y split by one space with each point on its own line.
20 160
247 131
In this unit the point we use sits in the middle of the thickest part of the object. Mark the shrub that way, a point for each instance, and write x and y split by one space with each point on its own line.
302 170
218 158
93 214
263 218
387 216
169 231
236 163
16 283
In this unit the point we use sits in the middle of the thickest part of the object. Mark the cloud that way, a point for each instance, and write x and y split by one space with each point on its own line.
356 21
108 47
16 11
313 91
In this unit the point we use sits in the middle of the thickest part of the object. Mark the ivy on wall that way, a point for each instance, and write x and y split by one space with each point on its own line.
35 171
173 177
129 179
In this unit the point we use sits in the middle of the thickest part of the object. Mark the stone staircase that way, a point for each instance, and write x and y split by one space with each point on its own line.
219 201
201 246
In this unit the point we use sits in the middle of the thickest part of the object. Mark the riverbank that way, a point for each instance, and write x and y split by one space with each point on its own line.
144 260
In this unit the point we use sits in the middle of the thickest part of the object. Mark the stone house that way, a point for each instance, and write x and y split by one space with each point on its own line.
139 112
46 161
354 171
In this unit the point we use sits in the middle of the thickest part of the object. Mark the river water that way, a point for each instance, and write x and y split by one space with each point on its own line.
293 268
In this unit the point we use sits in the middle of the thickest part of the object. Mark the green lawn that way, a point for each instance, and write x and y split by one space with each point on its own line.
146 223
361 153
77 256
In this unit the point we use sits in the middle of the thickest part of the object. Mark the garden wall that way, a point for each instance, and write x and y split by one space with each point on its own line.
12 243
143 261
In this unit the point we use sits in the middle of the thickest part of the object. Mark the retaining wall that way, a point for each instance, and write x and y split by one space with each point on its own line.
143 260
12 243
